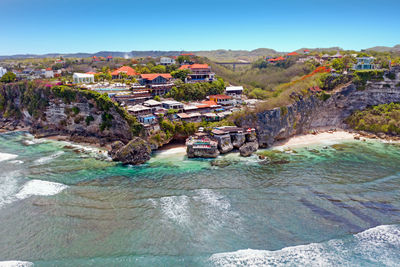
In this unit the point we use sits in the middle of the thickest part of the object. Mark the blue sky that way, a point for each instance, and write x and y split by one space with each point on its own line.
66 26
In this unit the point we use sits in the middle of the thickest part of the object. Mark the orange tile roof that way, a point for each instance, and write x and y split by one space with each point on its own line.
184 67
128 70
206 104
187 54
220 97
152 76
199 66
293 54
91 72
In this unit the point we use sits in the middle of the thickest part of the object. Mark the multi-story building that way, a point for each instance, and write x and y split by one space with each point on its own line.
364 63
199 73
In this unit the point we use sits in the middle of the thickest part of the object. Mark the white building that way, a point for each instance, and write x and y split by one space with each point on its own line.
83 78
48 73
167 61
2 71
234 90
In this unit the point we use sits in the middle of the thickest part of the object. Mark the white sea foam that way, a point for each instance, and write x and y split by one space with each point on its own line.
16 161
8 187
40 188
15 264
7 156
44 160
379 245
176 208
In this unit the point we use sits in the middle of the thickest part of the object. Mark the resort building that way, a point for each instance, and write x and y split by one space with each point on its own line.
167 61
223 100
172 104
130 72
160 83
234 90
199 73
83 78
139 110
364 63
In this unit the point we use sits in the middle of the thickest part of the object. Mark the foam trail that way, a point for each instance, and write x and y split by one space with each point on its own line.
39 188
176 208
7 156
15 264
377 246
8 187
49 158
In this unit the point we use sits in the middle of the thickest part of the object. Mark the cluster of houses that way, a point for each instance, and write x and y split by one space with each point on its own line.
215 108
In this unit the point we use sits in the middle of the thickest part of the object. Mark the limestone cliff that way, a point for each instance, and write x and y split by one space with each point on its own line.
85 115
310 113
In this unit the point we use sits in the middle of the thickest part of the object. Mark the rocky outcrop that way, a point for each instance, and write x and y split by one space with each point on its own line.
202 153
238 139
137 151
248 149
311 113
224 143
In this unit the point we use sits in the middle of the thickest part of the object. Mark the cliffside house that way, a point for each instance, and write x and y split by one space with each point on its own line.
147 119
167 61
139 110
234 90
160 83
130 72
199 73
172 104
83 78
48 73
223 100
364 63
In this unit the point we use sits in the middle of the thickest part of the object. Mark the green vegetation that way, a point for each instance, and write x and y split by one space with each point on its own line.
362 76
8 77
382 118
180 74
196 91
89 119
75 110
173 128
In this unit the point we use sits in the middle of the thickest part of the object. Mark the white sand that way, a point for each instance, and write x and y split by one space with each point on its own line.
324 138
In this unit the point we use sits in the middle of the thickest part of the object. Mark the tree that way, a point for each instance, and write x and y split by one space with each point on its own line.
158 69
8 77
338 64
180 74
157 98
182 59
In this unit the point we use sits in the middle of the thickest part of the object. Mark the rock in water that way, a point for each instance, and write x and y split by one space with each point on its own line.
137 151
248 148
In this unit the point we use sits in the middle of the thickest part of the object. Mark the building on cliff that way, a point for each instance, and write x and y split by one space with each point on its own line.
364 63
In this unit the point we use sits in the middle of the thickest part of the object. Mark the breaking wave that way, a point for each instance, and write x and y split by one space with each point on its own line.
176 208
375 246
7 156
40 188
15 264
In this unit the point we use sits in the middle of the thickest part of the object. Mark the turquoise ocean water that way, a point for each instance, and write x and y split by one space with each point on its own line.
65 205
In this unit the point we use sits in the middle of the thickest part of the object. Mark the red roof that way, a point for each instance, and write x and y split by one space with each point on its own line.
293 54
315 89
220 97
199 66
194 66
152 76
187 54
91 72
276 59
306 50
109 57
206 104
126 69
184 67
48 69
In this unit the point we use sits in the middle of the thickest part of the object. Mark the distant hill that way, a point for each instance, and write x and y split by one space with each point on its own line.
214 55
395 48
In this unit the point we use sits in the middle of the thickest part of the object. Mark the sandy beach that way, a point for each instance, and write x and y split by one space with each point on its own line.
327 138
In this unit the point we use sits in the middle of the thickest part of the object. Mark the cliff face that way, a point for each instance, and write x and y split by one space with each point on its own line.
85 115
307 114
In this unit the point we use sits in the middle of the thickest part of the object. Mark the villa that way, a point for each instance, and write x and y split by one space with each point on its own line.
2 71
364 63
172 104
130 72
158 82
234 90
223 100
199 73
167 61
